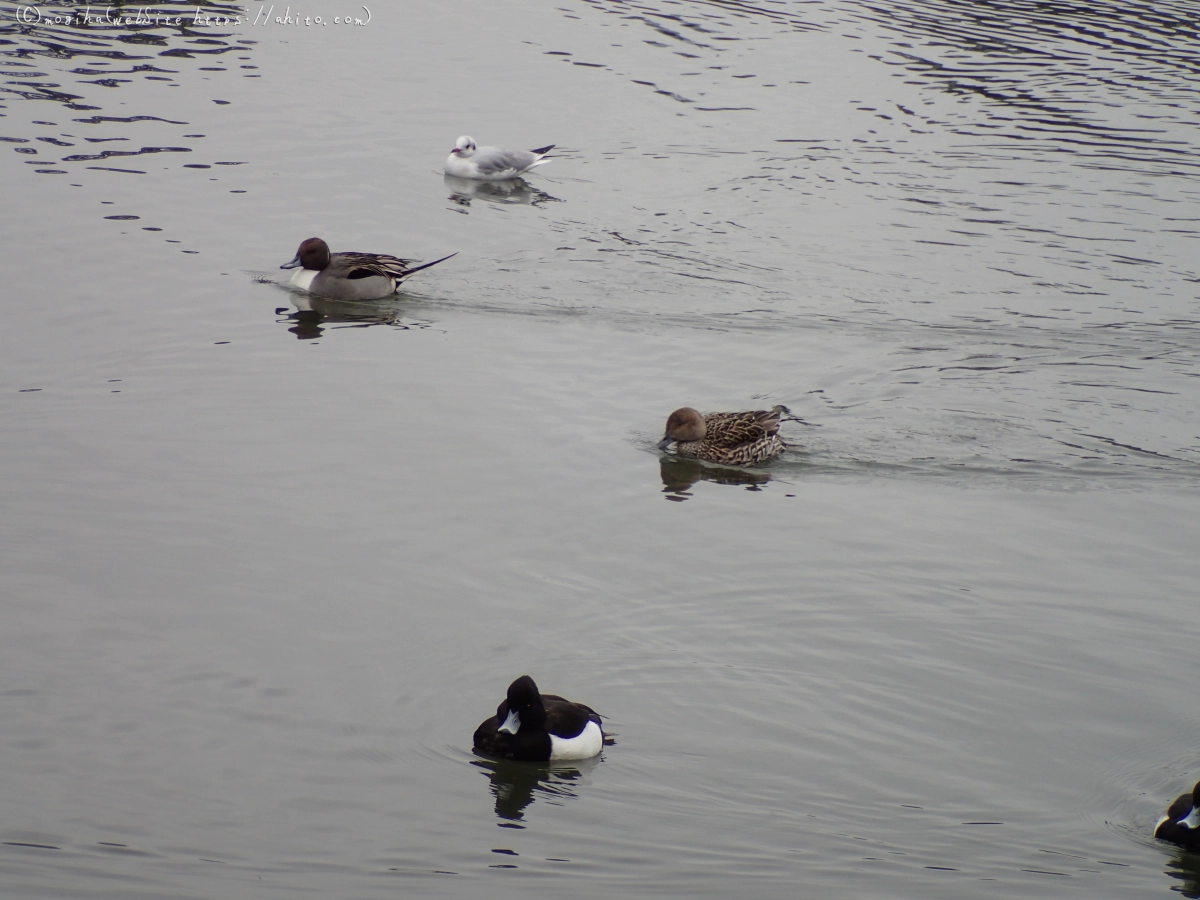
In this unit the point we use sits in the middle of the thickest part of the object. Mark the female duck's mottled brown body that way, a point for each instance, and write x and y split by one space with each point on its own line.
735 439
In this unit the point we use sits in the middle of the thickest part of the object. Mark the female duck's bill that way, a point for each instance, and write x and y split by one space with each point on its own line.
533 726
1181 824
736 439
348 275
492 163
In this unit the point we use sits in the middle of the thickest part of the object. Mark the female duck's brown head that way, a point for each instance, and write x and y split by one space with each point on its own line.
683 425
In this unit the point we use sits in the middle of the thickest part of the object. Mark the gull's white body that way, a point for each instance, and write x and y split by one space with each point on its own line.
492 163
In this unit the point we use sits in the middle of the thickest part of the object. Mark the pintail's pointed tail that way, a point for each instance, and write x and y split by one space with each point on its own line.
428 264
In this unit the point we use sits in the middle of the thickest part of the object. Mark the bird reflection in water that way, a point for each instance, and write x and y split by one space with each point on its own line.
515 191
313 314
1184 868
679 473
515 785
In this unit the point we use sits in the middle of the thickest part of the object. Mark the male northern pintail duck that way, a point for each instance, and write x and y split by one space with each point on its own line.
735 439
491 163
1181 824
347 275
529 725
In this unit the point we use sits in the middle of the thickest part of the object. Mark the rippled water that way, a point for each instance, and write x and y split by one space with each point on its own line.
268 560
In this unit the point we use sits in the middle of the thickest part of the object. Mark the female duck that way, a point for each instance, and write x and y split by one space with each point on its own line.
491 163
1181 824
349 276
530 725
734 439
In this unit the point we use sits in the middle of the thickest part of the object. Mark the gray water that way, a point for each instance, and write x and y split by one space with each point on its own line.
268 560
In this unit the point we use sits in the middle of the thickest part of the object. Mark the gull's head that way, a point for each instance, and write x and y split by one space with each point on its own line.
464 147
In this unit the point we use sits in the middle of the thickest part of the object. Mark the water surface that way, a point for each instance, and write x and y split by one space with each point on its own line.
268 560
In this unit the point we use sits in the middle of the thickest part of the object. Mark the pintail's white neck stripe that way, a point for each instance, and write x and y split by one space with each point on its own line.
1192 820
303 278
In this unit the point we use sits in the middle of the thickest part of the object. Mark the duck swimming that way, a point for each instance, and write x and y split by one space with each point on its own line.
734 439
348 275
529 725
1181 824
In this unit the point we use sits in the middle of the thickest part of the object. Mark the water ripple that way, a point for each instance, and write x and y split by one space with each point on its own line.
42 48
1108 83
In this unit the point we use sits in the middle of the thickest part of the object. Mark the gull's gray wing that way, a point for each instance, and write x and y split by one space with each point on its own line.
493 160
